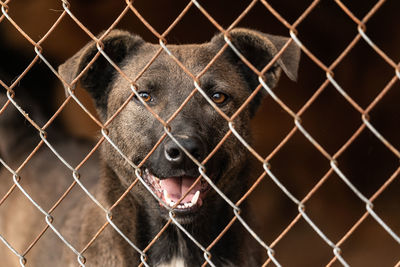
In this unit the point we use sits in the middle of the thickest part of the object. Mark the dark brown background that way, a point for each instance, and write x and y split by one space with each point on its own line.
330 119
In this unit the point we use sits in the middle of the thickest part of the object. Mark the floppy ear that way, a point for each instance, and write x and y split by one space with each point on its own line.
98 77
259 49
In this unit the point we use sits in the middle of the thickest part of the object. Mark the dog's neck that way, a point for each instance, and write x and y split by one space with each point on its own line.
173 245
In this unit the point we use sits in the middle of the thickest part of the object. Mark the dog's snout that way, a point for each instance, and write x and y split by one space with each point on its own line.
174 154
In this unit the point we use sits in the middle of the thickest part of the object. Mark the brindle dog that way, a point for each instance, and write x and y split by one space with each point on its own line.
169 172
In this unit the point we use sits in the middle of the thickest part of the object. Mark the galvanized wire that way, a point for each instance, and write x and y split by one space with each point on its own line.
298 126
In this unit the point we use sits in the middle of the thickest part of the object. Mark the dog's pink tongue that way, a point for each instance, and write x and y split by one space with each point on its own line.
177 186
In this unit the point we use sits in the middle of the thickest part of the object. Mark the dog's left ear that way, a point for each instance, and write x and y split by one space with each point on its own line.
259 48
97 79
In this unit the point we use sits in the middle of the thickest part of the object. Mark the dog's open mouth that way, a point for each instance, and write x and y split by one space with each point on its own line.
171 189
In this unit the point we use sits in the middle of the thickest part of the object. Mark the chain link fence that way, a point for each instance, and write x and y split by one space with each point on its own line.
298 210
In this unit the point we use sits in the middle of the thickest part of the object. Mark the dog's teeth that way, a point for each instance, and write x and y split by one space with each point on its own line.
165 194
195 198
166 197
171 203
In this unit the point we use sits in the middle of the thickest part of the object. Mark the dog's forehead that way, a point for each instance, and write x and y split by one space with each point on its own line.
178 60
146 70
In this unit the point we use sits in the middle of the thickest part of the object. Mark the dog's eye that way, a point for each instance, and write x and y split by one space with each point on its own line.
219 98
145 96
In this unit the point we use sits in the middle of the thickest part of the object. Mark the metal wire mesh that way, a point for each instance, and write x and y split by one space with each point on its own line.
299 126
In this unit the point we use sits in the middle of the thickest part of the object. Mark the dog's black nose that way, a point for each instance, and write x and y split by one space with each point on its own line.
174 154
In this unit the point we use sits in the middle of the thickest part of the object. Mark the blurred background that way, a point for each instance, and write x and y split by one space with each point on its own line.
330 119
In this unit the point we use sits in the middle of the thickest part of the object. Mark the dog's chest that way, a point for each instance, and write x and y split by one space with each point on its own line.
175 262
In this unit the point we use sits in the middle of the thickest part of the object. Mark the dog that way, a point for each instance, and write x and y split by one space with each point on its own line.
169 171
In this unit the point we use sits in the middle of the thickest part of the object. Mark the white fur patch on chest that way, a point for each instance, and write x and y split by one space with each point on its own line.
175 262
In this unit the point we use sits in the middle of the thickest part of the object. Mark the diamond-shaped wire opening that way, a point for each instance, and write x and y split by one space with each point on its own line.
358 162
335 207
331 40
290 248
371 80
322 118
303 158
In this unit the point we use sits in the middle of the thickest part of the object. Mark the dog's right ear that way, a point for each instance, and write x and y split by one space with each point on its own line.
97 78
259 49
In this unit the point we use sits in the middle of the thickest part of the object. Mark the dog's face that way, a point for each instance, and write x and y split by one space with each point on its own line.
197 127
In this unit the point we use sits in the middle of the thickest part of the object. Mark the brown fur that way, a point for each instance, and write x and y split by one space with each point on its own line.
135 131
